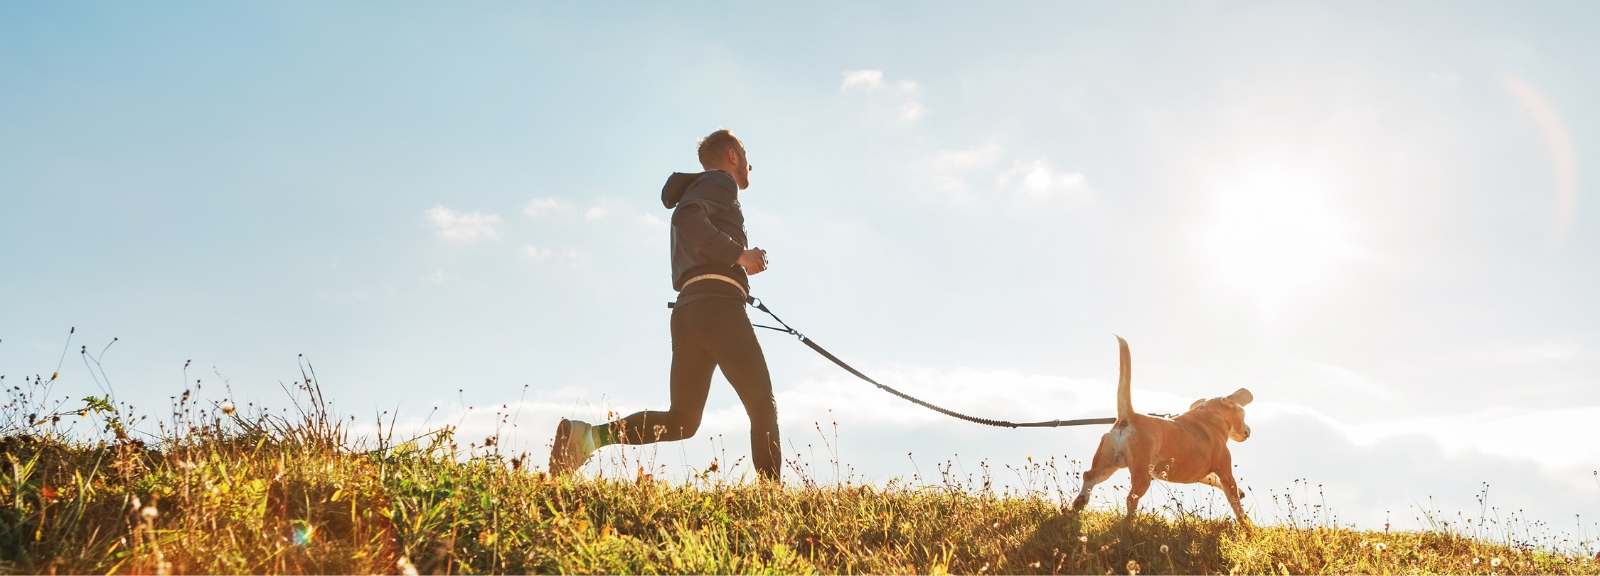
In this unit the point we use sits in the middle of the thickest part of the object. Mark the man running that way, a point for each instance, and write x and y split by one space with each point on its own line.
709 326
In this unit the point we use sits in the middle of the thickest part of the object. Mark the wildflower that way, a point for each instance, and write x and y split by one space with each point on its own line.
227 408
1476 560
1133 568
1163 548
149 513
50 494
1380 547
405 566
1495 562
1083 539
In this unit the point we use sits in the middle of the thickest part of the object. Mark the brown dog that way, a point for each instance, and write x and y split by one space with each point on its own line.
1190 448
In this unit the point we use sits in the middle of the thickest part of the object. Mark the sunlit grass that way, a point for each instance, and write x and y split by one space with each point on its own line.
251 491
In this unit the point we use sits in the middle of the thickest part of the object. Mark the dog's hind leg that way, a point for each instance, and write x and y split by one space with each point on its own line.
1103 467
1141 484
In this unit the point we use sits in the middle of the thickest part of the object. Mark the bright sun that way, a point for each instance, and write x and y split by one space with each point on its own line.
1272 235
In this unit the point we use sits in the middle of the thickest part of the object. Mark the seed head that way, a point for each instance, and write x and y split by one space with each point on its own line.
1133 568
227 407
1163 548
1495 562
406 567
149 513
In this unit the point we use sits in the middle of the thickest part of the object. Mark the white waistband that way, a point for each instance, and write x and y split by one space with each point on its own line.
735 283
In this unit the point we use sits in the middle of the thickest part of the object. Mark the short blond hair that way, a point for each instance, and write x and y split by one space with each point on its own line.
712 147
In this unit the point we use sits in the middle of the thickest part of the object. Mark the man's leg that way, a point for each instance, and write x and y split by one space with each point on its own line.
732 342
690 382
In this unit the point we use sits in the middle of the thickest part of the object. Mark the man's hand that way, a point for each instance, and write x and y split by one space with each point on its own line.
753 261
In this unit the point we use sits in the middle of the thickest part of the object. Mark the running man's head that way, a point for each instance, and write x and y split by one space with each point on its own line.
723 151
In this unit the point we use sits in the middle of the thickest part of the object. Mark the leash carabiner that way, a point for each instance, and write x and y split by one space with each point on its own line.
753 301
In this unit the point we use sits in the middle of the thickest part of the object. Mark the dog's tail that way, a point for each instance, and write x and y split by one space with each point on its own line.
1125 383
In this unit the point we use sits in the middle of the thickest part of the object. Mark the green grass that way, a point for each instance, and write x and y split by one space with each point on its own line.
294 493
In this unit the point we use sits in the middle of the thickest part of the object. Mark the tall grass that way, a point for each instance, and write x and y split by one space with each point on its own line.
224 489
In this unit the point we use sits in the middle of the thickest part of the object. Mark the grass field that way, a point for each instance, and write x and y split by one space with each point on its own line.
217 490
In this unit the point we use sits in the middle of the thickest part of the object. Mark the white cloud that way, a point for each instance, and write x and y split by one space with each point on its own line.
1344 381
544 206
653 221
911 111
462 227
596 212
950 169
1550 437
1039 181
867 80
964 160
899 98
964 172
570 257
535 253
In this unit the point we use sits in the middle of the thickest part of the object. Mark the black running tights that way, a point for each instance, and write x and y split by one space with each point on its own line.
706 334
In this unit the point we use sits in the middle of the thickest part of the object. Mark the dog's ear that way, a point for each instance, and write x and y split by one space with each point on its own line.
1242 397
1197 403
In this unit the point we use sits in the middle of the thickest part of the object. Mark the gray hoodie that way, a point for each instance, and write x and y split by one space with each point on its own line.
707 228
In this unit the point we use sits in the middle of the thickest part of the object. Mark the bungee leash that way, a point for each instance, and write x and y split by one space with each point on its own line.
756 302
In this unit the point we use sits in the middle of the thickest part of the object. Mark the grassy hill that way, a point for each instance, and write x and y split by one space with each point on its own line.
218 492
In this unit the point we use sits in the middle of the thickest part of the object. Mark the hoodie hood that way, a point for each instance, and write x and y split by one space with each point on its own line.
677 184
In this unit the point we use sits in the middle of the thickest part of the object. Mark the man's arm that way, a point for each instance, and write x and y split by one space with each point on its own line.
753 261
692 218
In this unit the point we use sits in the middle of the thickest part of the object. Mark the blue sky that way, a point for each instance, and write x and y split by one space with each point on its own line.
1377 217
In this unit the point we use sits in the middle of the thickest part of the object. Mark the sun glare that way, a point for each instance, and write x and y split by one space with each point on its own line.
1272 237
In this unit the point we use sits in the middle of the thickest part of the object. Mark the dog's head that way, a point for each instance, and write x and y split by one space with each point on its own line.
1231 409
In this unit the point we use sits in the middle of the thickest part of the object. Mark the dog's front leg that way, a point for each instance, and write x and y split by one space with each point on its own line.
1230 488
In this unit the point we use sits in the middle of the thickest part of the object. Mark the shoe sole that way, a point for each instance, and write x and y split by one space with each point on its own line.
560 461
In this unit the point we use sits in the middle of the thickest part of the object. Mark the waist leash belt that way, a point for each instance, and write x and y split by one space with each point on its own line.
736 284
